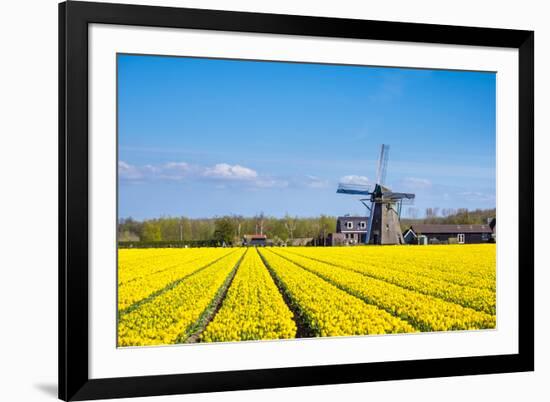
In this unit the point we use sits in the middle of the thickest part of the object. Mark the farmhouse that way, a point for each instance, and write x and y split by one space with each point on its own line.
436 233
350 230
255 240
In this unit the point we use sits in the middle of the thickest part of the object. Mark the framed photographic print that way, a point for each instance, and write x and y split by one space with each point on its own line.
257 200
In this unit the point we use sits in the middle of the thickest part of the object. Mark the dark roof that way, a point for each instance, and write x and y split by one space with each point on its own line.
255 237
353 218
424 228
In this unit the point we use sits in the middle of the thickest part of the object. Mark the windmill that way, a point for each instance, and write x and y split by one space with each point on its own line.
384 205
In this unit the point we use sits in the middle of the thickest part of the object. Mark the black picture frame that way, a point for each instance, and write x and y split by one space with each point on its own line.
74 18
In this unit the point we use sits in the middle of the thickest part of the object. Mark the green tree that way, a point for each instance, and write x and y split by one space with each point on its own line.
131 227
151 231
224 229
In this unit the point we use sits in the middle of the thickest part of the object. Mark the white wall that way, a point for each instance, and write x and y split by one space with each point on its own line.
28 198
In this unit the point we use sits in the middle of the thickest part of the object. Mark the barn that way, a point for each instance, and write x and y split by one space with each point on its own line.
437 233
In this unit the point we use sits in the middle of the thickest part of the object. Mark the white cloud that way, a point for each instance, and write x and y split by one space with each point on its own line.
128 172
172 170
177 165
354 179
225 171
416 183
222 174
477 196
267 182
237 174
316 182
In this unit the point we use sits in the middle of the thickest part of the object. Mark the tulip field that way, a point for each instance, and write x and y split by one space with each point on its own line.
189 295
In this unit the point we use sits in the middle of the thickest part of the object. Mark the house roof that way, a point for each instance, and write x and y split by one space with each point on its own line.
437 228
255 237
353 218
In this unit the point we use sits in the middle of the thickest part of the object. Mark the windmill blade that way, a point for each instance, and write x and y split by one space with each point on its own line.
382 164
350 188
391 195
407 201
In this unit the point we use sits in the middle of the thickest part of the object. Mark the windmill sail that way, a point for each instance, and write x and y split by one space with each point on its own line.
354 188
382 164
391 195
380 178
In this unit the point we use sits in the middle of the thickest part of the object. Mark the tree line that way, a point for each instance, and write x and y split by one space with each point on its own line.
227 229
449 216
231 229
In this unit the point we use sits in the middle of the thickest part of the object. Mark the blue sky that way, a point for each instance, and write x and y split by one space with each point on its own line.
204 137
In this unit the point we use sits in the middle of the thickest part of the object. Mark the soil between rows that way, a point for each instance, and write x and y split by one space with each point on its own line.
303 330
211 311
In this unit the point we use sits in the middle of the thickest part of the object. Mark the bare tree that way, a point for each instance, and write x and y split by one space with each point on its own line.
412 212
448 212
316 231
238 219
290 225
260 219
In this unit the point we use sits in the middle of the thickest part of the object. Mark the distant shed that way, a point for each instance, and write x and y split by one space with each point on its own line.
255 240
436 233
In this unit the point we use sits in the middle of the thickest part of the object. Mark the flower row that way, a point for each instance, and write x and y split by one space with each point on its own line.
327 310
164 271
403 272
253 308
168 317
425 312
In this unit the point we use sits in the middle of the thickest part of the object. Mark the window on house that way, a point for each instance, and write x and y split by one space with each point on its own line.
362 225
460 238
484 236
349 225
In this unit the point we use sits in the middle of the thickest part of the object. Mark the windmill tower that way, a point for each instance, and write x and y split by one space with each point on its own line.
384 205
